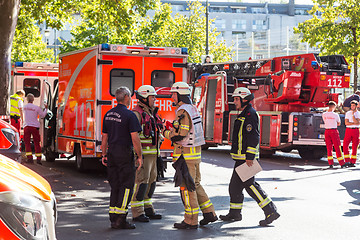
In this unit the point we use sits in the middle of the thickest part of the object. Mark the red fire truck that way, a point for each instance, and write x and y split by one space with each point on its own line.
88 79
288 91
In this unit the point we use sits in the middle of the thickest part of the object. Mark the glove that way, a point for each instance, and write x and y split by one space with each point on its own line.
160 167
168 125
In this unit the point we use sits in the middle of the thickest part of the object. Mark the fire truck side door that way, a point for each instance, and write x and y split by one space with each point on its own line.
214 108
45 97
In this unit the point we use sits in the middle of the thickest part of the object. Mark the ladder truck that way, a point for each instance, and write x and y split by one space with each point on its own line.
289 92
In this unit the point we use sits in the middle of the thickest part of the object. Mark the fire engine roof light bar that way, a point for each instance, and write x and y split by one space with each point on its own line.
105 46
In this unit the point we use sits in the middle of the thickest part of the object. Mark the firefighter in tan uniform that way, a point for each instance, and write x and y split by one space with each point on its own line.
187 136
145 180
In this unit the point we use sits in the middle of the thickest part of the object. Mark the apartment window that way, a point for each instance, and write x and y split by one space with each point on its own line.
301 12
220 23
258 10
217 9
238 9
260 35
177 8
239 24
238 35
259 25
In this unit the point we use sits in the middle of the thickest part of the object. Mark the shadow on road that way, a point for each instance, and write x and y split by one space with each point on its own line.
353 189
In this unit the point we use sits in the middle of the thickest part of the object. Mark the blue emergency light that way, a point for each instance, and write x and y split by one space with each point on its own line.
19 64
184 50
105 46
314 64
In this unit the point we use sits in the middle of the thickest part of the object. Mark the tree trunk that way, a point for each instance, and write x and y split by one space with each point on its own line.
355 71
9 10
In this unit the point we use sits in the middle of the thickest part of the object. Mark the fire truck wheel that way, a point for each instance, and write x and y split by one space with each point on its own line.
312 153
79 160
50 156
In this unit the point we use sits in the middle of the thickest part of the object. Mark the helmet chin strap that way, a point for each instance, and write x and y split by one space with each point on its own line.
142 99
244 103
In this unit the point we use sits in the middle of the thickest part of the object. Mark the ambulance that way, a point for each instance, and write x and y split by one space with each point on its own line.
33 77
88 79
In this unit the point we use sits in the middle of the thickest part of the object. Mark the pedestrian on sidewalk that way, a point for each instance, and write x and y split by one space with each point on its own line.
145 178
120 134
187 136
16 109
352 122
332 138
245 150
31 128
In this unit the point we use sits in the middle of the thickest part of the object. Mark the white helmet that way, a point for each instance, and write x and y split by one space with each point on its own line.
181 87
146 90
243 93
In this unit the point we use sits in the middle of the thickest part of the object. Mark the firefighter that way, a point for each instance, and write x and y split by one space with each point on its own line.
145 179
16 109
352 123
187 137
120 135
245 150
332 138
31 128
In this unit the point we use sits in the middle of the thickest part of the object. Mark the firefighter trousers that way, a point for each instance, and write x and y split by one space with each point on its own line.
196 199
332 138
34 132
121 177
236 188
145 183
351 135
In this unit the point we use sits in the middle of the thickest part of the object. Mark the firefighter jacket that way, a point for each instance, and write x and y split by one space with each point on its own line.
15 104
246 135
182 174
150 125
184 132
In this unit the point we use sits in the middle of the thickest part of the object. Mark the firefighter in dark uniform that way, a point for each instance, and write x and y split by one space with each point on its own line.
145 180
245 150
187 136
120 135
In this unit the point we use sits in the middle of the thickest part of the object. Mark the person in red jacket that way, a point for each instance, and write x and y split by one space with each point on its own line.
332 138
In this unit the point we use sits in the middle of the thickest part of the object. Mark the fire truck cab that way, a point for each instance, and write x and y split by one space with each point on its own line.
88 79
288 94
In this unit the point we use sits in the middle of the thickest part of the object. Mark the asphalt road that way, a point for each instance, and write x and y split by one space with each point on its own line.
314 202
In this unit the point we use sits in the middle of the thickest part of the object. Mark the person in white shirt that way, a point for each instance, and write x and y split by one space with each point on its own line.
352 122
332 138
31 128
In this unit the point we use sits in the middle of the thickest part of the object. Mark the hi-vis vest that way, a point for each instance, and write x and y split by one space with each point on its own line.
14 105
149 135
195 136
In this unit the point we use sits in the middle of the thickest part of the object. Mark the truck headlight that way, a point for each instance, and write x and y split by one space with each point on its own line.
24 214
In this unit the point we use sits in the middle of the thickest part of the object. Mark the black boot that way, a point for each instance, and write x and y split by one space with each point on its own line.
141 218
269 219
232 216
121 223
208 217
184 225
149 212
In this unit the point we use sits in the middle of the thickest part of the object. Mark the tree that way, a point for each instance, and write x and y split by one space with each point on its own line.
336 31
8 16
112 21
103 24
54 13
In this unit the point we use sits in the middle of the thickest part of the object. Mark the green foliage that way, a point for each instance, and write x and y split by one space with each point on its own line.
336 31
334 28
27 43
120 24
